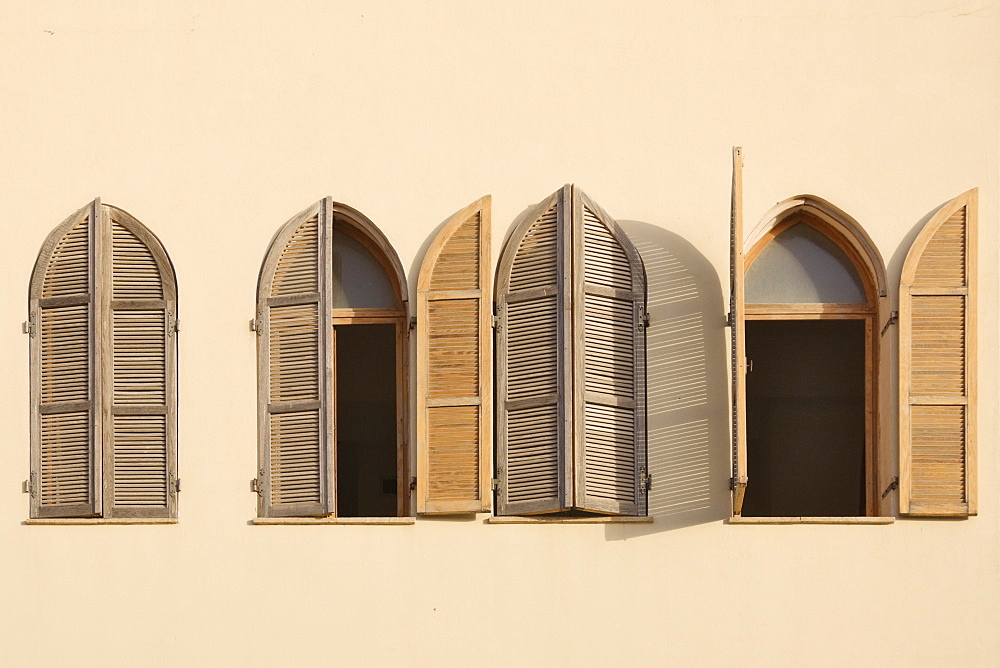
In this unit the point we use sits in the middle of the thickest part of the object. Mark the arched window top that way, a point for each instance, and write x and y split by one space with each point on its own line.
802 265
807 250
364 269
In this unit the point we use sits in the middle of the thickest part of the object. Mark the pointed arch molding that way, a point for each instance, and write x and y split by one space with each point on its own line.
848 229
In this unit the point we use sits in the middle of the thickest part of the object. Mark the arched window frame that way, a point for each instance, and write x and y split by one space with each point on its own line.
332 218
145 485
851 238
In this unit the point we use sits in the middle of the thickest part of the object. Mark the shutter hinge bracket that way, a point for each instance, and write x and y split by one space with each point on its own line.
645 320
495 484
253 324
645 480
413 322
893 319
174 485
28 486
892 485
413 483
256 487
28 326
496 322
177 325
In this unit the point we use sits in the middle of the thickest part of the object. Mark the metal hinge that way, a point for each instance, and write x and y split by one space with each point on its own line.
496 322
174 485
177 325
256 486
893 319
645 480
28 326
413 483
892 485
413 322
28 486
253 324
495 484
645 320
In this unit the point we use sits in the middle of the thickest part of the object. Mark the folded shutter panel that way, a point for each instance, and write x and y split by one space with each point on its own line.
65 460
140 437
533 378
295 467
454 366
609 361
937 357
737 355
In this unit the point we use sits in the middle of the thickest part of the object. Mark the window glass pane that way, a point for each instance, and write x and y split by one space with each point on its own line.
359 281
801 265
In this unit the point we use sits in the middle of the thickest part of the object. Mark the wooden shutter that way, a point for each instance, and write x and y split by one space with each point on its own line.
533 373
609 387
737 356
139 399
454 362
937 365
65 456
294 377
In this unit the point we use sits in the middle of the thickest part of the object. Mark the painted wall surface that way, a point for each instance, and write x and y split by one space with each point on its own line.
214 122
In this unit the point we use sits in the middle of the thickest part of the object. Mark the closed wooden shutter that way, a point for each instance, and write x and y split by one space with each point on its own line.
534 378
609 359
737 352
454 366
65 458
295 475
937 358
139 407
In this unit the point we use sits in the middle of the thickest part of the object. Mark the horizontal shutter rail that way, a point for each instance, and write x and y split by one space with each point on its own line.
293 300
57 407
443 295
605 291
518 296
276 407
138 304
938 400
531 402
453 401
138 409
609 399
65 300
942 291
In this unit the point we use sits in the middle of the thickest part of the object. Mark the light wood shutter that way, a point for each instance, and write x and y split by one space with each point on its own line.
139 398
455 366
609 387
65 456
534 377
937 365
737 323
294 337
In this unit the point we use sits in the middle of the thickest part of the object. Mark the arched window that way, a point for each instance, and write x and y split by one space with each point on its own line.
812 309
331 327
571 414
102 318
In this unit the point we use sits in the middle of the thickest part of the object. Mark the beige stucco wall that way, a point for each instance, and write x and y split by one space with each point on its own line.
213 122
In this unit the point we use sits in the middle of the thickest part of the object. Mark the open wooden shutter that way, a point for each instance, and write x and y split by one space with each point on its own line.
65 455
455 366
139 315
937 365
737 322
533 377
294 377
609 345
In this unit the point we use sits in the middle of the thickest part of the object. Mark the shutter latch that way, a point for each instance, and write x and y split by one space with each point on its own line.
645 480
28 486
893 318
892 485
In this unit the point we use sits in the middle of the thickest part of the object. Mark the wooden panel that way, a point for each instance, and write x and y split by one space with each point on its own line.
295 458
609 457
68 268
609 346
937 337
535 262
457 264
533 456
66 460
453 453
294 353
139 357
140 466
737 323
938 454
65 353
453 348
135 274
605 261
297 268
942 262
532 349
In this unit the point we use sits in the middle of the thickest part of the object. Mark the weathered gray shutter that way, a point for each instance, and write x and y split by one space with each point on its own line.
454 366
609 387
937 365
533 374
294 377
65 455
139 399
737 356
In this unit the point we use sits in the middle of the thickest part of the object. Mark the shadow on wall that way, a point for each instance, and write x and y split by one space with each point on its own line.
688 385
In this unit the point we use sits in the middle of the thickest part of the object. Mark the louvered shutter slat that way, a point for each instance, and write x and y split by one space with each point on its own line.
937 365
454 366
296 449
64 463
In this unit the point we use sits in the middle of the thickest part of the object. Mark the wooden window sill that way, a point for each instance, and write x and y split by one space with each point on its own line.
812 520
102 520
333 520
611 519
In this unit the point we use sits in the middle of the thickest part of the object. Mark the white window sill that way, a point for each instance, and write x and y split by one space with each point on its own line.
102 520
812 520
611 519
333 520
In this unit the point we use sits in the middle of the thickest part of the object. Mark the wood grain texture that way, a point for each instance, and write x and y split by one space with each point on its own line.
737 334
